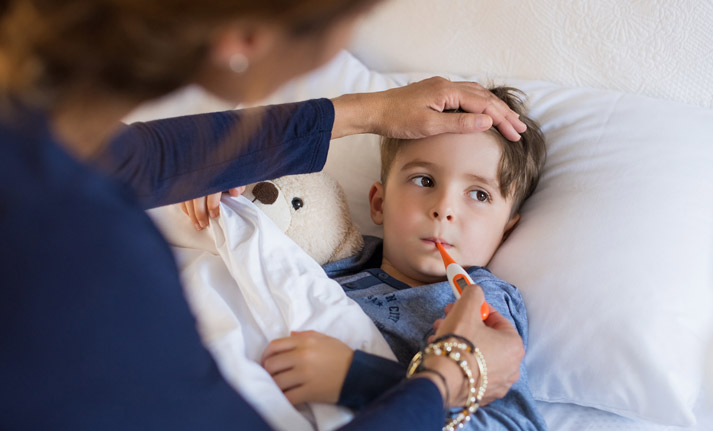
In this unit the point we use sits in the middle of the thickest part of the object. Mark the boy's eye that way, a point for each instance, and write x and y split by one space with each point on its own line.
480 195
422 181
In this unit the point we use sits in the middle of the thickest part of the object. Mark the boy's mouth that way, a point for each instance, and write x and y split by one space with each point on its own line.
434 240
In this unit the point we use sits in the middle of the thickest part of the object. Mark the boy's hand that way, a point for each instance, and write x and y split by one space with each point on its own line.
201 210
308 366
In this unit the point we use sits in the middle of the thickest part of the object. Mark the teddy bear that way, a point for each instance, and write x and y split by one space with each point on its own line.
312 210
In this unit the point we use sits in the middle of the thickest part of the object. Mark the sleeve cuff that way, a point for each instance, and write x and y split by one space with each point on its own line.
369 376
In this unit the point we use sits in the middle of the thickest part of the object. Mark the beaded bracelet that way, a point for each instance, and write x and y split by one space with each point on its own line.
464 340
453 350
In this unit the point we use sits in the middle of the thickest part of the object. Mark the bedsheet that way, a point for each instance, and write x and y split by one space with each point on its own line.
571 417
247 284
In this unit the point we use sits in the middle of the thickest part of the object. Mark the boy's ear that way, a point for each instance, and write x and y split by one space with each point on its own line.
511 226
376 203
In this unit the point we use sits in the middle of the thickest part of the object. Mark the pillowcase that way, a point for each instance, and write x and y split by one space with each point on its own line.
613 251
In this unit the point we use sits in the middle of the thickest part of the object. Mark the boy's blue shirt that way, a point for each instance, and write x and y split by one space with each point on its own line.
405 317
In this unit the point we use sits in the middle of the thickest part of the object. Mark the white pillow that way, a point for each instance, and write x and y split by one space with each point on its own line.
614 251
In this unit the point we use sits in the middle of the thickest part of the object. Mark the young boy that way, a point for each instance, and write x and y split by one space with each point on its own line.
463 191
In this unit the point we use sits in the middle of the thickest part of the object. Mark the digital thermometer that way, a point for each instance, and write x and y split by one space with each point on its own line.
459 279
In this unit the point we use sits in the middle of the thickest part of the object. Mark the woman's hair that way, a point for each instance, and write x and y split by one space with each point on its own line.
139 48
520 162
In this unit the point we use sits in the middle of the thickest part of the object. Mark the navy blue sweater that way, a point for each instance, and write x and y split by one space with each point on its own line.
96 334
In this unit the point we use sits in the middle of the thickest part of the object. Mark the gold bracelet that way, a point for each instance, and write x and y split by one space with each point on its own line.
454 351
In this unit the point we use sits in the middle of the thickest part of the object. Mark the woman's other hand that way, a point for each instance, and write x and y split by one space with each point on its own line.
497 339
416 111
201 210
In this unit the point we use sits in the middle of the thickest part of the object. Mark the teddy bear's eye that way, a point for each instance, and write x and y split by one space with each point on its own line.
297 203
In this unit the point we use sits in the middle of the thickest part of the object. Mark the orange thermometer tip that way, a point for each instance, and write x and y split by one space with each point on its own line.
447 259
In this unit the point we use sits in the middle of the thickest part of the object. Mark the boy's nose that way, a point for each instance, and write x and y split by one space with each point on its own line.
442 208
447 214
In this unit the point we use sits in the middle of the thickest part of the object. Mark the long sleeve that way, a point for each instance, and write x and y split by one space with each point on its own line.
176 159
368 377
96 333
415 404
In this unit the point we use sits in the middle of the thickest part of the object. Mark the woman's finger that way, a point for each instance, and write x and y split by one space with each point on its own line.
447 309
213 204
477 99
201 212
237 191
192 214
502 117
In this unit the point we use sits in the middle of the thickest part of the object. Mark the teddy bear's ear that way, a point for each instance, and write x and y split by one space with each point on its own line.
352 244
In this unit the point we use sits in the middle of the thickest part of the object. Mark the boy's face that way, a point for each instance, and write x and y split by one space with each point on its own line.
443 188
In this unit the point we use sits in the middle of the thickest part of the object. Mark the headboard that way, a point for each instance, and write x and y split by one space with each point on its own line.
662 49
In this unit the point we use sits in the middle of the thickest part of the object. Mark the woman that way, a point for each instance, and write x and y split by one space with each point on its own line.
96 333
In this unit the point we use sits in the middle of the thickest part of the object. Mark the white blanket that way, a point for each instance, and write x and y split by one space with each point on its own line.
248 284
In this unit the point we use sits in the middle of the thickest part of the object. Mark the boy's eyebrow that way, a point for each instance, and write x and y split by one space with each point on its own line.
478 178
489 181
418 164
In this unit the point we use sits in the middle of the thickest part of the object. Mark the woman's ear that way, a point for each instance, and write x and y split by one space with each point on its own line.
241 39
511 226
376 203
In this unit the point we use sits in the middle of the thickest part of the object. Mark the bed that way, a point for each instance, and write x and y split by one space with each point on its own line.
614 252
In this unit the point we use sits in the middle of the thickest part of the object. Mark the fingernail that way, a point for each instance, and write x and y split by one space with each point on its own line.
213 214
197 226
482 123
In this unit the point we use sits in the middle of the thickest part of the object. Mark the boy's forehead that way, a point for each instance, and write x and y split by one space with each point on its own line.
481 147
446 139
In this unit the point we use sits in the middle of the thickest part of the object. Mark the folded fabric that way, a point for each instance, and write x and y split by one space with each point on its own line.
248 284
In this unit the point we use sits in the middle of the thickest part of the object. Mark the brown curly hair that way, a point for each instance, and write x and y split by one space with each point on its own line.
139 48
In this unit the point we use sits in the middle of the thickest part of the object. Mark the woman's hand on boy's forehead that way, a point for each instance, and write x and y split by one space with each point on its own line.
417 111
478 99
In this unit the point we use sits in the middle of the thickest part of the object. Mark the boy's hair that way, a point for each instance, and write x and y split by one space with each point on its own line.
520 163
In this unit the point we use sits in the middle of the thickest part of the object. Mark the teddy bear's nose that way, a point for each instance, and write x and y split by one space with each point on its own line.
265 192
